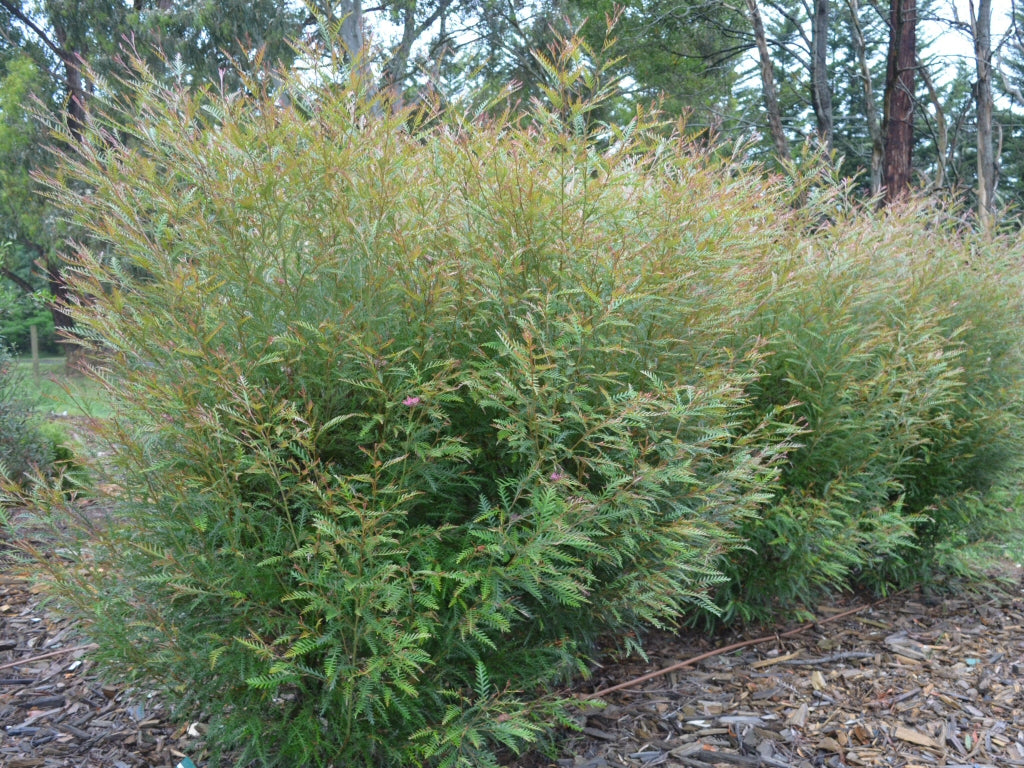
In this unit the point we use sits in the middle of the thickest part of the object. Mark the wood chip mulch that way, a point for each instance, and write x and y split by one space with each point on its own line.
53 710
911 682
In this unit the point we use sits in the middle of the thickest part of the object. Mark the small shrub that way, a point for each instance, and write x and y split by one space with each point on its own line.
24 451
65 461
411 408
16 320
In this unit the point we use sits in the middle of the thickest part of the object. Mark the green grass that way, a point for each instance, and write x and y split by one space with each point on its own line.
1003 533
57 392
1003 537
995 545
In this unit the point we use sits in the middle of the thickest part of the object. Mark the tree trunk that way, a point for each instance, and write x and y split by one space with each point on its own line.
74 108
870 108
18 280
394 70
351 13
981 31
74 353
941 129
74 115
344 18
771 100
821 93
898 128
71 60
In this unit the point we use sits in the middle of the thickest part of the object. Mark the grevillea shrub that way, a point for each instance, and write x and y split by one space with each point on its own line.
898 342
24 450
409 409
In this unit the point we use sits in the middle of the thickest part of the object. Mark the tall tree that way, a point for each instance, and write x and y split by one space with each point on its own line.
345 19
68 39
25 220
821 92
416 18
771 99
210 40
941 129
898 125
874 125
681 52
981 33
1010 85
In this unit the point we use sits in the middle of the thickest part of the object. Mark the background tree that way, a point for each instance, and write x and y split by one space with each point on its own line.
1009 84
28 75
46 51
685 55
212 40
981 34
821 91
859 71
771 100
898 124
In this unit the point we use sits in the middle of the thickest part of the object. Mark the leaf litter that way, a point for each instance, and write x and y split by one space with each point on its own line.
912 681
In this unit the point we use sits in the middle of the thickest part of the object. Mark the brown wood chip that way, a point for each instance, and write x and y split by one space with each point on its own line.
912 684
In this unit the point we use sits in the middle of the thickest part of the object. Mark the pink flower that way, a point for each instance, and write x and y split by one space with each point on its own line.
556 476
412 402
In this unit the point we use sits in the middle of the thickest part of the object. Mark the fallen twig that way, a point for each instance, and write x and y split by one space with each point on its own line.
827 659
734 647
30 659
705 757
893 700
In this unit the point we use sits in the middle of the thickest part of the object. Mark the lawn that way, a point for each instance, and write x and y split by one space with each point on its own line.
1002 536
54 391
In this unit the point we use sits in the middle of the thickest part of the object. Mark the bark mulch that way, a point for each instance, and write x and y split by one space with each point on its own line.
909 682
54 711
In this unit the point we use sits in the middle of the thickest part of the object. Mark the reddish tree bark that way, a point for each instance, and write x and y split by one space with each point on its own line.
898 128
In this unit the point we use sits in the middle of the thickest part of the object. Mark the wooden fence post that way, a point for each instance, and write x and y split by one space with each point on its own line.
33 334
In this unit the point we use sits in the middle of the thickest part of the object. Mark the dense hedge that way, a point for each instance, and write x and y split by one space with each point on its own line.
412 408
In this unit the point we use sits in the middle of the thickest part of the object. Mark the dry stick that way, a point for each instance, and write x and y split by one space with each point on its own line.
734 647
827 659
30 659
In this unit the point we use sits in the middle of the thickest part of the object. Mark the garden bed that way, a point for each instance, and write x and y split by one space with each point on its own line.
911 681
